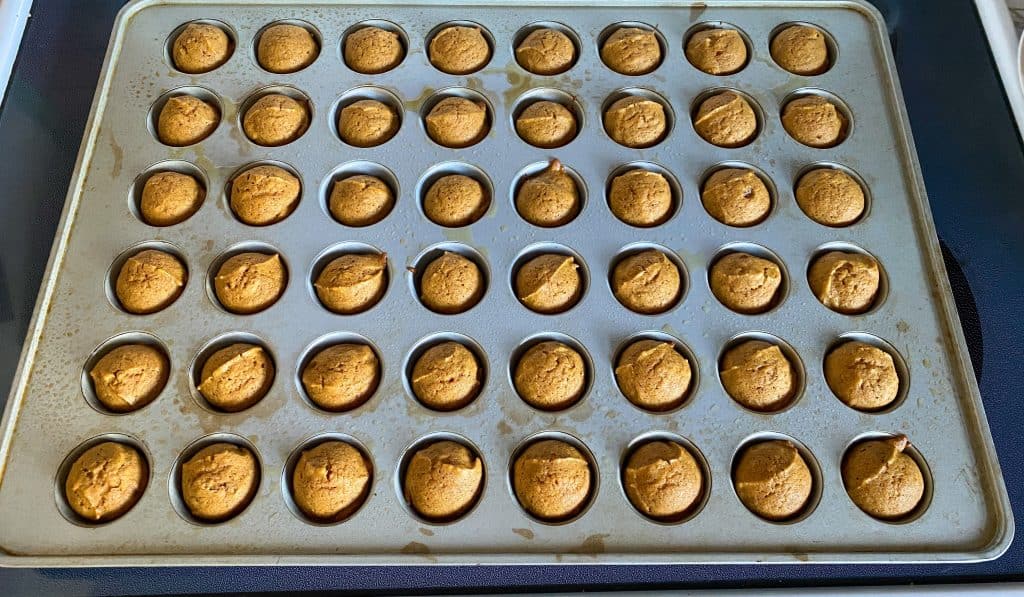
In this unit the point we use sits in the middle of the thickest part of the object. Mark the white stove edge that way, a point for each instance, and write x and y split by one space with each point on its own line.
1008 52
13 17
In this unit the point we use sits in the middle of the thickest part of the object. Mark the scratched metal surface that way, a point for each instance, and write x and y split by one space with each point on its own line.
47 416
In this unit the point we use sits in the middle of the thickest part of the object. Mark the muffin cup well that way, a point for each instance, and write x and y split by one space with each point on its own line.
60 495
817 483
426 343
122 339
899 363
427 256
702 464
526 30
912 451
535 339
595 474
202 93
174 478
180 166
681 347
403 466
227 29
195 368
287 490
795 362
547 248
324 342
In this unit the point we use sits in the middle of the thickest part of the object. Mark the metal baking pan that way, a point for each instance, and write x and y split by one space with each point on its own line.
47 415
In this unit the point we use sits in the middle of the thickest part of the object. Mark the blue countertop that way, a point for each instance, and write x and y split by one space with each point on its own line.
973 163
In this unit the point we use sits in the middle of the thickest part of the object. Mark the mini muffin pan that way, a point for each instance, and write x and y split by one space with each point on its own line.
52 412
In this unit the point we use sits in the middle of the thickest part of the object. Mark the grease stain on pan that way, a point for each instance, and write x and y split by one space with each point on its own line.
592 545
415 548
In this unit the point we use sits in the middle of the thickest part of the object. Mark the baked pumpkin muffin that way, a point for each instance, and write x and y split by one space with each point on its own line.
341 377
457 122
286 48
647 282
863 376
845 282
736 197
546 51
814 121
830 196
275 119
149 281
443 481
549 283
250 282
367 123
459 50
745 283
455 200
447 376
726 119
549 198
772 480
451 284
186 120
882 479
170 198
631 51
360 200
129 376
331 481
717 51
352 283
663 480
200 48
373 50
552 480
641 198
550 376
546 124
636 122
236 377
759 376
264 195
219 481
653 375
106 481
801 50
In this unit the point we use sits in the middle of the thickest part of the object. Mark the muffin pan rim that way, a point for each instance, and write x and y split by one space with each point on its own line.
516 551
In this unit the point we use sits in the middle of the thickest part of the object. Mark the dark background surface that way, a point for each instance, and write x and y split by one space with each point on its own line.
973 166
